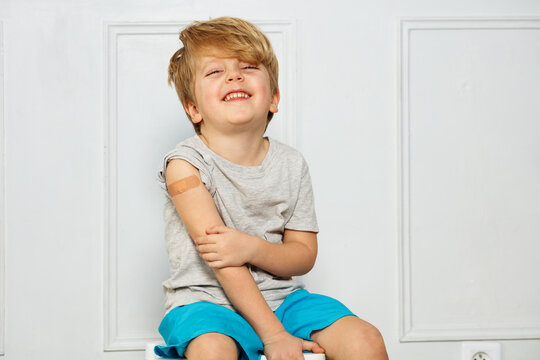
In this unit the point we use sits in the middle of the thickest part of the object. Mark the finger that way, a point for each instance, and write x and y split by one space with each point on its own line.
205 240
211 230
216 229
202 249
213 238
312 346
208 257
318 349
200 240
216 264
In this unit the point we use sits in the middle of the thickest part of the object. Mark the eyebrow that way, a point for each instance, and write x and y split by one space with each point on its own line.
205 67
210 62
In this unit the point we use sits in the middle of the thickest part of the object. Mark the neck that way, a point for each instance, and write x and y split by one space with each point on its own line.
241 148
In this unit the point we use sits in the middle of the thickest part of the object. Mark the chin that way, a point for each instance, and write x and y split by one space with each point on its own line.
241 120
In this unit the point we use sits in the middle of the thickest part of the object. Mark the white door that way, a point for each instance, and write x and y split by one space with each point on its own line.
420 122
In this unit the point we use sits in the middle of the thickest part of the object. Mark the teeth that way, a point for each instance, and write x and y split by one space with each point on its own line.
236 95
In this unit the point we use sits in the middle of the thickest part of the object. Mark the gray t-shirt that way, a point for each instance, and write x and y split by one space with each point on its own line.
261 201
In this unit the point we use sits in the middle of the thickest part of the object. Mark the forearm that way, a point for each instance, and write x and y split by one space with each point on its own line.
284 260
242 291
198 212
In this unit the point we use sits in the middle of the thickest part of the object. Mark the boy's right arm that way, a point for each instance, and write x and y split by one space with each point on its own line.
198 212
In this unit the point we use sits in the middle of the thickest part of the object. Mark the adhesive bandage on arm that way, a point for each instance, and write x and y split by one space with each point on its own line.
183 185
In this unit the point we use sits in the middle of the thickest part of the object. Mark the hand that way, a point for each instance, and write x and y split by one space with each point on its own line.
284 346
223 246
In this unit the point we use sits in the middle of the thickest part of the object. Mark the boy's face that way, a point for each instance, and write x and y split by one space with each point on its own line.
231 94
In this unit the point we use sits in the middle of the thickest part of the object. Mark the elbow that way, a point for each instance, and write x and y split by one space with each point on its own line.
311 258
306 265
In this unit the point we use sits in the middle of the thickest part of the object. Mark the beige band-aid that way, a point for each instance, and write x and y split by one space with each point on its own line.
183 185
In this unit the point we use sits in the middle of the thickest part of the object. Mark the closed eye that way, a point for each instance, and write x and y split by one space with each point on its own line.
250 67
212 72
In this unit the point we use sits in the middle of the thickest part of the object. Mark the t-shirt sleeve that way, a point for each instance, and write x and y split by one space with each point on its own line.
303 217
192 156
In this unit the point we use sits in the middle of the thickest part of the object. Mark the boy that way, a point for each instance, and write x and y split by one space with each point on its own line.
240 216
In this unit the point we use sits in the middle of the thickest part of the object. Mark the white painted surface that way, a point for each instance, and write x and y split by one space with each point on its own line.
470 139
468 230
2 194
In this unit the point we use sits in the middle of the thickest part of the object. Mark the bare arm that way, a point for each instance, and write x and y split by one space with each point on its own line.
198 212
223 246
296 256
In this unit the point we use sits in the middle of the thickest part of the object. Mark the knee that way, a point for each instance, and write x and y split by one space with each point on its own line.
216 352
212 347
369 342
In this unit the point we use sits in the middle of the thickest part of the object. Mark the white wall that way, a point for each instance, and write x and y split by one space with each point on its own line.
419 120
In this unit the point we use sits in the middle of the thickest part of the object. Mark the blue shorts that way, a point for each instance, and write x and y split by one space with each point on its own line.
301 313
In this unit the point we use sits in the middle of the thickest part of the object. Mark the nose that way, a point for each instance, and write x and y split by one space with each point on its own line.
234 75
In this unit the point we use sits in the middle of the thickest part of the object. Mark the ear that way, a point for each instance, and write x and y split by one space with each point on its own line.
274 103
191 109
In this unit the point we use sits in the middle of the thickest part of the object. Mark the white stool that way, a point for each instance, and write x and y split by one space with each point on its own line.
307 357
149 354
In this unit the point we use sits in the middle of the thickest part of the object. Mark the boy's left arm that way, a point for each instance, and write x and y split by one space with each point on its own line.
296 256
224 246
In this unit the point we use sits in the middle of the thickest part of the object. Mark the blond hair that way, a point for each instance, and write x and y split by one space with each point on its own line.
227 36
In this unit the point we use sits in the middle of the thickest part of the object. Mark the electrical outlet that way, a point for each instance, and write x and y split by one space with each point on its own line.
480 350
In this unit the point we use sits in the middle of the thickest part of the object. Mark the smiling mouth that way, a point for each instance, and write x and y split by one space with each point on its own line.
236 95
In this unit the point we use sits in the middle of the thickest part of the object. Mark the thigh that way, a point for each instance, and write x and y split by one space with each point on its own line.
211 346
185 326
303 312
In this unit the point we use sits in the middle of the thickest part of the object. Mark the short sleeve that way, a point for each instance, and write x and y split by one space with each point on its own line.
192 156
303 217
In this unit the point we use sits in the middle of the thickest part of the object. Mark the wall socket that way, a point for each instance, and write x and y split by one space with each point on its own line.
480 350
